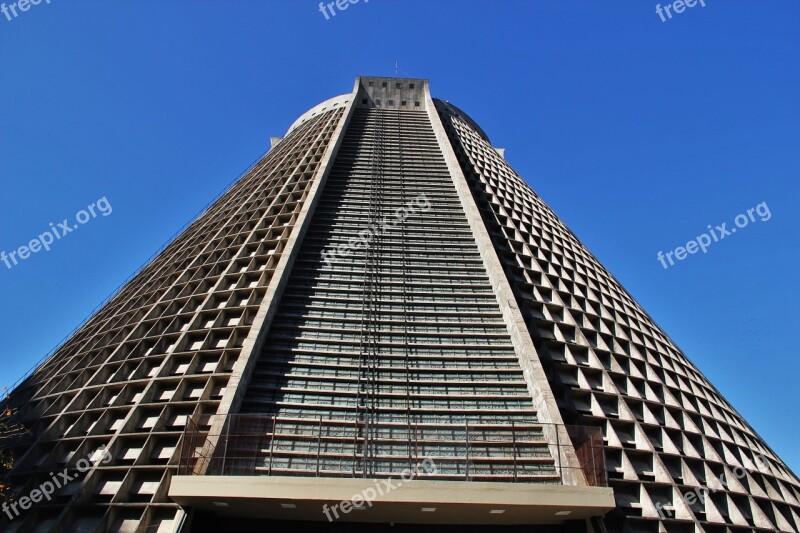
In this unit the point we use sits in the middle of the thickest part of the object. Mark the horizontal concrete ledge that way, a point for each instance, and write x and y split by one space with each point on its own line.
395 501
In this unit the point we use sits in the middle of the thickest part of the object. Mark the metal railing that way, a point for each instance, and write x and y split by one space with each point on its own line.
252 445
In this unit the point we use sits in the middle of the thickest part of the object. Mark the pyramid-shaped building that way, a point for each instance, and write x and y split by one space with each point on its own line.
381 325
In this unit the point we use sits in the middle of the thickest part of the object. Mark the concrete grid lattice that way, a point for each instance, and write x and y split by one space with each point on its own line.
668 431
162 350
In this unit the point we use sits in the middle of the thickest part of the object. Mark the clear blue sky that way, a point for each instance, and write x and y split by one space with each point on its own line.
638 132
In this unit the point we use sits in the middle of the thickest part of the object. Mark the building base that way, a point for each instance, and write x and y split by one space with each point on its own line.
390 501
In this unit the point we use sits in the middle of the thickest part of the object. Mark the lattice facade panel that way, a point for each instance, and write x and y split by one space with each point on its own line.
668 431
159 352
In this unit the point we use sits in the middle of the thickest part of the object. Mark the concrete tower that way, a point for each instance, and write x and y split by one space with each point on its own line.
382 323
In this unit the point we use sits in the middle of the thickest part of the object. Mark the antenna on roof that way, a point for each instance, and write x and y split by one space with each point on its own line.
395 68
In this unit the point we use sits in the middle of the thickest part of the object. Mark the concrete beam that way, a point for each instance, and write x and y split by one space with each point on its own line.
392 500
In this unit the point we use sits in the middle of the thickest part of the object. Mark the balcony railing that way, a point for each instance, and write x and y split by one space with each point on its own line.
252 445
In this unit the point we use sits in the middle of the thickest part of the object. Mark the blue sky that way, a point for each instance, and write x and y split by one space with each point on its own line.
638 133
